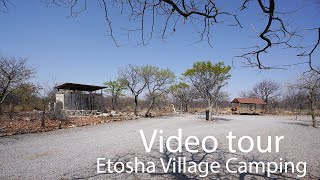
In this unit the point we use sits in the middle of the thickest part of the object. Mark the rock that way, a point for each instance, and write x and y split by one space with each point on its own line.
113 113
26 119
105 114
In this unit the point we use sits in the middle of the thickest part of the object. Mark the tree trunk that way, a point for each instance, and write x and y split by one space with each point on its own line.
116 102
43 116
314 121
113 102
181 110
210 112
60 124
217 108
136 105
4 95
12 108
42 120
150 107
1 109
313 112
174 109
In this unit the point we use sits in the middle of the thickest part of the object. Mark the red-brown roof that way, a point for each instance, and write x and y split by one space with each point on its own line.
249 101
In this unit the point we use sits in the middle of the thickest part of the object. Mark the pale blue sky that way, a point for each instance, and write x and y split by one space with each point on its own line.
79 50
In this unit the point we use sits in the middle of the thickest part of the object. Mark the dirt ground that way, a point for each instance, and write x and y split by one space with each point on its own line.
72 153
30 122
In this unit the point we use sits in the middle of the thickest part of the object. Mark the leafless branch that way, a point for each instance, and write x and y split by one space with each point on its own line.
309 55
4 5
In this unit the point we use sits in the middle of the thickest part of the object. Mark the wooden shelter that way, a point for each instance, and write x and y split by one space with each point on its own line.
79 99
247 104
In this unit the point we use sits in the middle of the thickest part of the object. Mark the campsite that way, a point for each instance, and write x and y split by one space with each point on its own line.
72 153
159 89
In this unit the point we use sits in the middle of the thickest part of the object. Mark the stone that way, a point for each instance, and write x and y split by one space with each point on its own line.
113 113
105 114
27 119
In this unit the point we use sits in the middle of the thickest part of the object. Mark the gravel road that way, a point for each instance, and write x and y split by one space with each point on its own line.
72 153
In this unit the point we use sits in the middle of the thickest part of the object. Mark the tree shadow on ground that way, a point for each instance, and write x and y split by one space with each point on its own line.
221 156
215 118
221 119
305 124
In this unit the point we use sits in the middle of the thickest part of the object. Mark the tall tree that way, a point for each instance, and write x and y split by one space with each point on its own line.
310 82
208 79
115 88
295 99
13 73
132 77
158 80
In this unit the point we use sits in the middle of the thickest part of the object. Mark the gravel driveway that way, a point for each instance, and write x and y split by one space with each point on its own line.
72 153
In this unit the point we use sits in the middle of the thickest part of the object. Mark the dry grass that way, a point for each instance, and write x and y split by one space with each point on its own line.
22 123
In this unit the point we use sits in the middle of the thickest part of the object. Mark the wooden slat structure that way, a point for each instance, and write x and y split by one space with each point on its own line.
79 99
247 101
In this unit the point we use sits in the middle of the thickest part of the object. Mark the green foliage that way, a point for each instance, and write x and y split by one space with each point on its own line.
25 92
180 85
115 87
179 90
157 79
23 98
147 77
209 70
132 77
208 78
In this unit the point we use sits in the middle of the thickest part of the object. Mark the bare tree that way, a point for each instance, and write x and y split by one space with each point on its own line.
47 91
310 82
4 5
248 94
278 27
208 79
295 99
222 96
131 76
13 72
267 90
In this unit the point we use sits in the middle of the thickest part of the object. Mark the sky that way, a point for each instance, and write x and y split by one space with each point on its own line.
67 49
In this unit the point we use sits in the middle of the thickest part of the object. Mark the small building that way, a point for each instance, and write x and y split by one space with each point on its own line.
79 99
247 105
